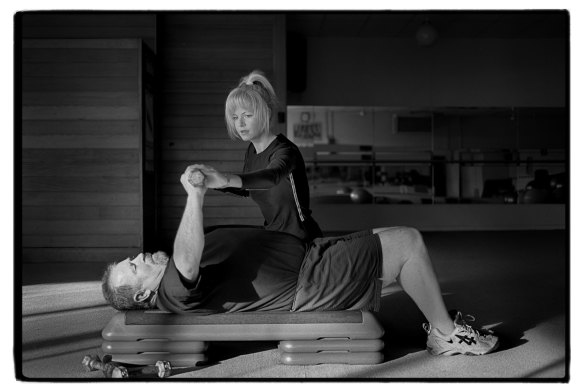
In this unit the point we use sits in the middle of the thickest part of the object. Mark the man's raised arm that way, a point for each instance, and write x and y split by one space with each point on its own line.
190 237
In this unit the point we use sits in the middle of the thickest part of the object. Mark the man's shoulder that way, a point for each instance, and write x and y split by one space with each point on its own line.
172 276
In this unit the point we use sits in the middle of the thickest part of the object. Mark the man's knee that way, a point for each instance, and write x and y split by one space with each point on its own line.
407 237
399 246
415 237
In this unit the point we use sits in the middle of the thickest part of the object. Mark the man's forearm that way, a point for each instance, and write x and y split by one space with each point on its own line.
190 238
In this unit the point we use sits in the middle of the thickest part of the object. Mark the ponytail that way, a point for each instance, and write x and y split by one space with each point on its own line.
257 80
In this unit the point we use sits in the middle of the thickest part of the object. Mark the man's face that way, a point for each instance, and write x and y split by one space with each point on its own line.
144 270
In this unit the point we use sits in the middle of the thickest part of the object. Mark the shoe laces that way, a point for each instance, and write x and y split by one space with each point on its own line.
460 319
460 322
427 327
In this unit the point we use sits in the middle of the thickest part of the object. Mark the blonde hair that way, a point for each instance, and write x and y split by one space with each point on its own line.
254 93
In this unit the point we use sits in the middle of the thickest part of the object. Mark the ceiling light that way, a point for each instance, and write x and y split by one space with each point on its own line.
426 34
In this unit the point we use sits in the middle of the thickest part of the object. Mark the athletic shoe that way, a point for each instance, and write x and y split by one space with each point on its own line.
463 340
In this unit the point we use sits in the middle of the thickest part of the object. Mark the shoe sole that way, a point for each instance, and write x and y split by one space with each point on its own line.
450 353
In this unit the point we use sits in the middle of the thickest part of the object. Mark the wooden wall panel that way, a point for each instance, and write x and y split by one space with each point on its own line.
78 84
81 164
80 184
85 127
70 255
79 113
81 213
203 58
81 116
92 25
79 141
85 241
81 98
79 199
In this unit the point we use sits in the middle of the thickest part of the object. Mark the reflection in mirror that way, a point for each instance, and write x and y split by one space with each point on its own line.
397 155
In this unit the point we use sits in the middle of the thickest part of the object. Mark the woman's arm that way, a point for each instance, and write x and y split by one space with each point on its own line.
282 163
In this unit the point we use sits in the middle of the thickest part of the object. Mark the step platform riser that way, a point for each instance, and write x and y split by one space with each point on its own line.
154 346
176 360
347 358
315 346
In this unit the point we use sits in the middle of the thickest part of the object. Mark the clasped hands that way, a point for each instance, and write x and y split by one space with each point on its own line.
200 177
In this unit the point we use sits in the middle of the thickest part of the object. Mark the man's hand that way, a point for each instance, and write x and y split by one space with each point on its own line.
197 178
193 181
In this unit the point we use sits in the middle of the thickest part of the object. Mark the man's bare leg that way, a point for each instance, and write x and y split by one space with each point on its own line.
406 260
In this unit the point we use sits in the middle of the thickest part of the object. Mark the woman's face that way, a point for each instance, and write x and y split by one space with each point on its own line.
246 123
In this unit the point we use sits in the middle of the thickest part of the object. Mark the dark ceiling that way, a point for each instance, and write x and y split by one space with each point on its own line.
477 24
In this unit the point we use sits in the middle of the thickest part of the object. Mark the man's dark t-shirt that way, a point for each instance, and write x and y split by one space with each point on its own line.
245 269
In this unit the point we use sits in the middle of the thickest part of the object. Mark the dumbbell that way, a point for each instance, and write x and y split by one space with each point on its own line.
93 363
162 369
115 370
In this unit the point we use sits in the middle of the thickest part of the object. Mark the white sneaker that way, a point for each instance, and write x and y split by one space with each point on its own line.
463 340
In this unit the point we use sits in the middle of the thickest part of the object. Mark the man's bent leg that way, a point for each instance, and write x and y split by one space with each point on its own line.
406 260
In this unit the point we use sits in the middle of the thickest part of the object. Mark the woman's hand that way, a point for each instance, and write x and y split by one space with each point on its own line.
214 179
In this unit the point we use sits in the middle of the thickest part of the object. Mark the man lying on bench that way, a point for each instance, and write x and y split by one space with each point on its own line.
253 269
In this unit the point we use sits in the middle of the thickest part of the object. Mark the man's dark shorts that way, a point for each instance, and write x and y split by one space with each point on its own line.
341 273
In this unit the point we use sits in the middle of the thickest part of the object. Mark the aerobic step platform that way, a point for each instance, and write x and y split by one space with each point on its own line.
306 338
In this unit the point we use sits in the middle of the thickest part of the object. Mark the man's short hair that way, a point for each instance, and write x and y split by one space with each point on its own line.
121 297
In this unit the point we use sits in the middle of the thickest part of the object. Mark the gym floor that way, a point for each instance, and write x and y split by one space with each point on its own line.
515 283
